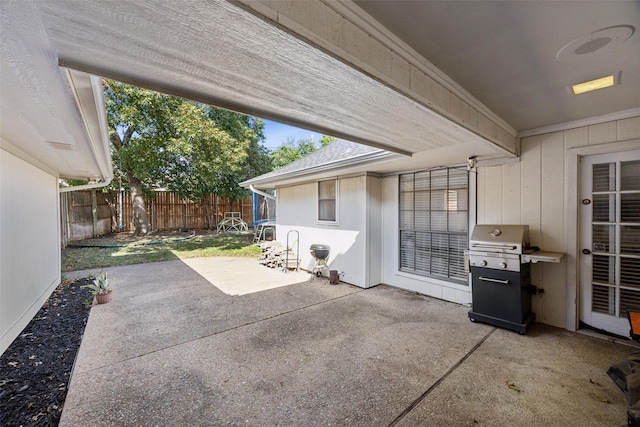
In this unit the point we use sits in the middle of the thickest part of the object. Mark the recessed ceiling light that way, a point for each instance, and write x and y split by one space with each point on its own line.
592 85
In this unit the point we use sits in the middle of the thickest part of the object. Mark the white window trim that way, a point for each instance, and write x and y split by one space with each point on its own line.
324 222
471 218
433 280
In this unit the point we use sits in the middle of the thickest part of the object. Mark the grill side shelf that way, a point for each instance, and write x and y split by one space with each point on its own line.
542 256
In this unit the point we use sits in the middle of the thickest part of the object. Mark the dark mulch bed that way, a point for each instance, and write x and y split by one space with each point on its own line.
35 369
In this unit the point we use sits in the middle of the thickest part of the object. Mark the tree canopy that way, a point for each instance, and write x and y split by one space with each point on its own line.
162 141
292 150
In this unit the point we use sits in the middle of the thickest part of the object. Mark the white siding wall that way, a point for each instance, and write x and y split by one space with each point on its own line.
350 245
29 243
374 231
541 191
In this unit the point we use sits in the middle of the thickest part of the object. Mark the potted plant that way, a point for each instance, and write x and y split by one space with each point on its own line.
100 288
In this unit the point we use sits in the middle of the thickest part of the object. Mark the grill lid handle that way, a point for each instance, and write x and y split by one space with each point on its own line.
489 279
489 245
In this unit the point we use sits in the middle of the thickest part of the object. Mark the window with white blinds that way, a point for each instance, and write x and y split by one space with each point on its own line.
434 218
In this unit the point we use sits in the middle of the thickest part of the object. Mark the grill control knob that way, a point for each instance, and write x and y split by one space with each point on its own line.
503 264
483 263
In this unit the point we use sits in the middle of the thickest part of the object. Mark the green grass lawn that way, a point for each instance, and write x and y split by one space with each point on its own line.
124 249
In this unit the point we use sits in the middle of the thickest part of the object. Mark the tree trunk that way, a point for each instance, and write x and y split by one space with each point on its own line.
140 221
111 201
208 212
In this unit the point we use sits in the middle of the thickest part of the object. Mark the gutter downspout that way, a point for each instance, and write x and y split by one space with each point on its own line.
88 93
86 186
262 193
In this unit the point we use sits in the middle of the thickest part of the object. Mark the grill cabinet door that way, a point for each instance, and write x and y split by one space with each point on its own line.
509 301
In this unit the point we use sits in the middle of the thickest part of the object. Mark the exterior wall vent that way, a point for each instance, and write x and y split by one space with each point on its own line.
60 145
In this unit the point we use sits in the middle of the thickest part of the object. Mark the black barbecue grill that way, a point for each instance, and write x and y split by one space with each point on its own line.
499 260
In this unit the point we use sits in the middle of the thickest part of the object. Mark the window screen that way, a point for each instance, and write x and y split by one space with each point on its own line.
434 218
327 200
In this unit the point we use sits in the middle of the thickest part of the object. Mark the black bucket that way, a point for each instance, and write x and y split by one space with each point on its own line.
334 277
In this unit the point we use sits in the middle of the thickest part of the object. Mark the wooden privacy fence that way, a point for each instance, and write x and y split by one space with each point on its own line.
91 213
85 214
168 212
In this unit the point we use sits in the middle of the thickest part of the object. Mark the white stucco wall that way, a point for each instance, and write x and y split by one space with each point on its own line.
297 210
541 191
29 243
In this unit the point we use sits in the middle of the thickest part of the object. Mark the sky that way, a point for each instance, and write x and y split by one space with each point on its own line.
277 133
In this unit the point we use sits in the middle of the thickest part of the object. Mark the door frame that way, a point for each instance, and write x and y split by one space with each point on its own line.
573 160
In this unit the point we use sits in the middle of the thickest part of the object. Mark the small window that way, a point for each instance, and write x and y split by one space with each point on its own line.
327 196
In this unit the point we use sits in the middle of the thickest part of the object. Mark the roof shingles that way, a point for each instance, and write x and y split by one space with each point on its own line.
338 151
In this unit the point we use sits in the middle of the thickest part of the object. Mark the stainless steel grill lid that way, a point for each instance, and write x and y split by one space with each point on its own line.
499 258
501 238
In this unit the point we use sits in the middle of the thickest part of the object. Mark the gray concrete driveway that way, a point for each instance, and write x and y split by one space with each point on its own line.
172 349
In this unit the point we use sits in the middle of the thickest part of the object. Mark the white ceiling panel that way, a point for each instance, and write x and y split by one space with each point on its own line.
215 52
505 53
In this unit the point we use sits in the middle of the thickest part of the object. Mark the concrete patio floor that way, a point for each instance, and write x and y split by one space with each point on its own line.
173 349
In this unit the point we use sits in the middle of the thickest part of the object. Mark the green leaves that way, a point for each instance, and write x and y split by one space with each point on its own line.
184 146
100 284
291 151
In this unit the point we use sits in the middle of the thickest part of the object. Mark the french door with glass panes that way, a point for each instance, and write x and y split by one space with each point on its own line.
609 250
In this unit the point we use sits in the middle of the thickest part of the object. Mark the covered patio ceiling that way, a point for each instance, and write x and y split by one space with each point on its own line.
218 53
520 58
221 53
